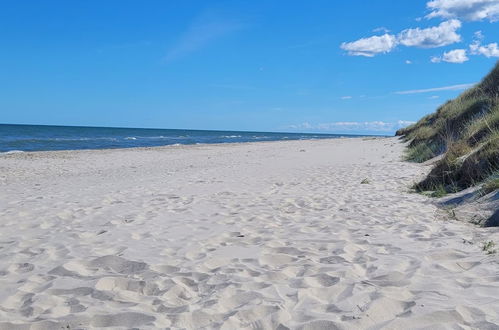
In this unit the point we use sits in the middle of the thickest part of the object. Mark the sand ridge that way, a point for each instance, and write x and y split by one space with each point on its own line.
277 235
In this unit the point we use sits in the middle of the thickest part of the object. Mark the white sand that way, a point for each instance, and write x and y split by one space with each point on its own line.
245 236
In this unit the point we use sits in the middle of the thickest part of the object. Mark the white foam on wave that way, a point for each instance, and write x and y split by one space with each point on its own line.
156 137
78 139
10 152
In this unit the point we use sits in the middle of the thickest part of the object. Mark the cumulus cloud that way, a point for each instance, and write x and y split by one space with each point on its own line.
408 62
455 56
444 34
370 46
490 50
346 97
469 10
351 126
452 56
436 89
437 36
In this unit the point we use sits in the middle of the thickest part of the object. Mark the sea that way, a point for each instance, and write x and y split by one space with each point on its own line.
21 138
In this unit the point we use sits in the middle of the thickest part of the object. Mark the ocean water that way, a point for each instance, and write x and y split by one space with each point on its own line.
18 138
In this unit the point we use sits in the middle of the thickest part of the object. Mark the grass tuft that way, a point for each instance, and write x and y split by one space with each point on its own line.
491 185
489 247
440 191
419 153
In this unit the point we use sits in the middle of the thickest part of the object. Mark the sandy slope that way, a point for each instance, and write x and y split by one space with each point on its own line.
245 236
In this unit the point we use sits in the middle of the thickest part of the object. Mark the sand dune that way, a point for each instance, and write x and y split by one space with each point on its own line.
277 235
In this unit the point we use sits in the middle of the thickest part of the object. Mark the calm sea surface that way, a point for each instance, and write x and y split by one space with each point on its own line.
15 138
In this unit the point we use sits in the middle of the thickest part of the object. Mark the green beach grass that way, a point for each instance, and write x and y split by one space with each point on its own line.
465 132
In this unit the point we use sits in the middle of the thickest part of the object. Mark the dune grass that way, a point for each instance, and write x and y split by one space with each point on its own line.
492 184
439 191
465 131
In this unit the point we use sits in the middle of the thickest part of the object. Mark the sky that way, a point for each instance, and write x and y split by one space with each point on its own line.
356 66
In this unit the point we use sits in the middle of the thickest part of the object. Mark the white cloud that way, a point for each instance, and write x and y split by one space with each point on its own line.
433 97
437 89
478 35
469 10
490 50
370 46
404 123
437 36
351 126
381 29
444 34
452 56
455 56
346 97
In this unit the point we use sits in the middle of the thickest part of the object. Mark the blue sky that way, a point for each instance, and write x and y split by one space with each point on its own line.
319 66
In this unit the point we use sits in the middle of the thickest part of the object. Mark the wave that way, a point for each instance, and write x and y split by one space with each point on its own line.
10 152
230 136
64 139
56 138
158 137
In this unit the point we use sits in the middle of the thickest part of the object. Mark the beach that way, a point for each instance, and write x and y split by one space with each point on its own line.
308 234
